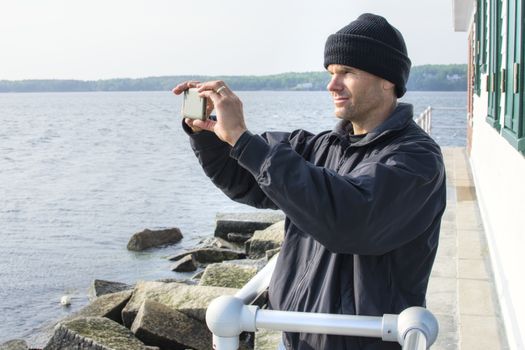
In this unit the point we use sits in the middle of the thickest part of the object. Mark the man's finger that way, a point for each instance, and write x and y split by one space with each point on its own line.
177 90
217 85
212 95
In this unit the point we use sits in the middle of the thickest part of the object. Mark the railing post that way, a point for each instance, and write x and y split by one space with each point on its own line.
415 323
415 340
424 120
429 127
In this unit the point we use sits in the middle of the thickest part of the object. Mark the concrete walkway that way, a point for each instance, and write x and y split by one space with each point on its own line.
461 291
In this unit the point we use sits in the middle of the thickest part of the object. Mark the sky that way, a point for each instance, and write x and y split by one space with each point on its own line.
102 39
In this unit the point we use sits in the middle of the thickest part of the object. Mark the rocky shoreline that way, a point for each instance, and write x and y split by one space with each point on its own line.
170 314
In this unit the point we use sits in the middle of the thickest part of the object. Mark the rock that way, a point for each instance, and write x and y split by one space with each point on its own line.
257 263
210 255
217 242
190 300
270 253
267 239
227 275
109 306
102 287
177 280
16 344
157 324
244 222
185 264
93 333
148 238
267 339
197 276
238 237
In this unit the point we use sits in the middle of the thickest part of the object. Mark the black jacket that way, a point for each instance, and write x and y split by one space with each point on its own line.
362 219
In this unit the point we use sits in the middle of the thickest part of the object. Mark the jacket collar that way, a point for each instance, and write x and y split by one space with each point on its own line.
400 117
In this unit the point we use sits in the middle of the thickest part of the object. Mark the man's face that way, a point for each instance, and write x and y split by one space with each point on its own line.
355 92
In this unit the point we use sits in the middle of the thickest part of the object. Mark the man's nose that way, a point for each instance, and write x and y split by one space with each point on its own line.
335 83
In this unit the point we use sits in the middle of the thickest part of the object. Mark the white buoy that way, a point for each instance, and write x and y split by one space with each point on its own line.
65 300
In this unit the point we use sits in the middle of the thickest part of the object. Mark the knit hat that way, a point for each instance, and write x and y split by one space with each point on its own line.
371 44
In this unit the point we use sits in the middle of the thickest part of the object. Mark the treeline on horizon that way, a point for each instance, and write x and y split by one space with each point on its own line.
450 77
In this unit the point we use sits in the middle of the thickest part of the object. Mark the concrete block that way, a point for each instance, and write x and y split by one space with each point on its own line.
442 295
475 298
444 266
472 269
447 246
480 333
470 245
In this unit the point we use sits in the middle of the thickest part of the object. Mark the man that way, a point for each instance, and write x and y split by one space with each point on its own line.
363 203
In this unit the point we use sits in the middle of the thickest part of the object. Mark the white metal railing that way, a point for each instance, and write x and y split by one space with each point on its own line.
425 120
415 328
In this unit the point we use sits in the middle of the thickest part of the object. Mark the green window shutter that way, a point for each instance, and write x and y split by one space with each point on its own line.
483 43
513 121
519 78
480 52
477 47
494 67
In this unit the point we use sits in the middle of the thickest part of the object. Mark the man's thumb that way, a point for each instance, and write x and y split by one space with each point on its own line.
205 124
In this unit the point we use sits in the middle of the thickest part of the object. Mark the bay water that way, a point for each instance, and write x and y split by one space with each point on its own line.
81 172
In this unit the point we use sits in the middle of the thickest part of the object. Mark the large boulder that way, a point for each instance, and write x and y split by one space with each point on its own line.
93 333
188 299
109 306
259 264
102 287
217 242
244 222
16 344
185 264
267 239
177 280
149 239
238 237
210 255
272 252
227 275
169 329
196 277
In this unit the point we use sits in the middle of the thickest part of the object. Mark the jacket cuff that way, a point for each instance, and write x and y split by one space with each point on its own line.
251 152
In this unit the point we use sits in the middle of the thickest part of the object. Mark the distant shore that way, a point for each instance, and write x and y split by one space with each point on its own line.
452 77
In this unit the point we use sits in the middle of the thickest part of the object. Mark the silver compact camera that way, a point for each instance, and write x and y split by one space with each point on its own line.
193 106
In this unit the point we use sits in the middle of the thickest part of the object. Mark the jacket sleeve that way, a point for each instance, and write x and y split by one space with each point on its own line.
374 209
225 172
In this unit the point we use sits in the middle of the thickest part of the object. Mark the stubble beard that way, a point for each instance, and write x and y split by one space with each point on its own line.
348 112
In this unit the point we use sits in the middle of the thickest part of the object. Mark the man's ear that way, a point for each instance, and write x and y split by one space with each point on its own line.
387 85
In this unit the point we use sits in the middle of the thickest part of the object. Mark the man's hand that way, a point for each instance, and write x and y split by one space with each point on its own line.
179 89
230 118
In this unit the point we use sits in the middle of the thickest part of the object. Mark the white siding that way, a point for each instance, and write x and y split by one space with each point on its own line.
499 175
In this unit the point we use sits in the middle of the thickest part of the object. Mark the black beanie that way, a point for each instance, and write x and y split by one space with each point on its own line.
371 44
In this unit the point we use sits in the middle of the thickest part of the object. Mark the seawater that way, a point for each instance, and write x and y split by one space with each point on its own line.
81 172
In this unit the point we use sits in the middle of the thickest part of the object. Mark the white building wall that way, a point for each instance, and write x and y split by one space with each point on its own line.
499 175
